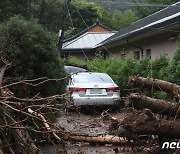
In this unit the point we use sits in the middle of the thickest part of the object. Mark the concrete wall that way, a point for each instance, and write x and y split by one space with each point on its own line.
165 44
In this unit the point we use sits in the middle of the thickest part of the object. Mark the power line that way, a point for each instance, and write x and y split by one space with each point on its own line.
64 22
93 35
138 25
162 29
69 13
89 40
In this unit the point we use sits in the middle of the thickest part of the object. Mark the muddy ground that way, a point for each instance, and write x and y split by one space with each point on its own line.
89 122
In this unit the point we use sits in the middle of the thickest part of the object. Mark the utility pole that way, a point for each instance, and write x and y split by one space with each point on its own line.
64 23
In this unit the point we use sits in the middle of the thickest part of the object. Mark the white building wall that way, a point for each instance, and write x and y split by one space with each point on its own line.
162 44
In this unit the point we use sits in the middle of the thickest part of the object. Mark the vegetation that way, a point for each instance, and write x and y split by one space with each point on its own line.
33 54
25 40
82 14
121 20
142 12
172 74
120 70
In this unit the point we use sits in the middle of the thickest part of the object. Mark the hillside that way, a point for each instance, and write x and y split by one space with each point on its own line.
117 4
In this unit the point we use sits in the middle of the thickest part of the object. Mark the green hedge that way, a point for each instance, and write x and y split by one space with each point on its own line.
121 70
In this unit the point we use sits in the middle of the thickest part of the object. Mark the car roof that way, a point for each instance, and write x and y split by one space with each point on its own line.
90 73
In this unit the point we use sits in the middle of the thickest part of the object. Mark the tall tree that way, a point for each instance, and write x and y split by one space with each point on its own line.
142 12
9 8
121 20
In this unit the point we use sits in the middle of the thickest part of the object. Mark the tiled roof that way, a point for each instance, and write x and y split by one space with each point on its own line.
157 20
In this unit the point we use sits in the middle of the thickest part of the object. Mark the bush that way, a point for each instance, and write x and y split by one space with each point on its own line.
121 70
172 74
33 54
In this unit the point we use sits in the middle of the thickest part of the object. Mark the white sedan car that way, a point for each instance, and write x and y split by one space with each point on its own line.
89 88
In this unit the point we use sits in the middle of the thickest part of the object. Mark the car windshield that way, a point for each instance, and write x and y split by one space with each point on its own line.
92 78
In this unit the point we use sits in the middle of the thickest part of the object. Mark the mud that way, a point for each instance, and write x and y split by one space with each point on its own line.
90 122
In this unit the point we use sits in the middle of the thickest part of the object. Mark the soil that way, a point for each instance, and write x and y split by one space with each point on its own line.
90 122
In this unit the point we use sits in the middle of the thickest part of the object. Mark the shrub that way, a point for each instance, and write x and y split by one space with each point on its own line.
121 70
33 54
172 74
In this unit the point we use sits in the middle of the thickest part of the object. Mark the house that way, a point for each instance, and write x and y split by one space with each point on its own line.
151 36
83 45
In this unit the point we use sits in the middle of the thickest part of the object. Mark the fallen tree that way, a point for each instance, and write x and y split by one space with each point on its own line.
137 81
16 124
145 122
22 117
140 101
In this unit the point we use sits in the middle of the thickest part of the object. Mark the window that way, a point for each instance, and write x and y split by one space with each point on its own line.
91 78
148 53
123 55
137 55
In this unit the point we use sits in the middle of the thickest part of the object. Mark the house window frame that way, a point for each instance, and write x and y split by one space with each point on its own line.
137 55
123 55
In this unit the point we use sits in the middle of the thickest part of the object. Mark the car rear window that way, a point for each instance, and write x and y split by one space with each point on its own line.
90 78
73 69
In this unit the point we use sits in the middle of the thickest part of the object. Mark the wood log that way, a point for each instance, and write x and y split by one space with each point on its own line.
106 139
137 81
144 122
21 136
45 123
2 70
159 106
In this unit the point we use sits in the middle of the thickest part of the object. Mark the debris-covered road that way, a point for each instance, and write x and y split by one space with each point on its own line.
92 124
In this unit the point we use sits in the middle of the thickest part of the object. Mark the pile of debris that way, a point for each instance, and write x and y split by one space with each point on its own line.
145 117
23 118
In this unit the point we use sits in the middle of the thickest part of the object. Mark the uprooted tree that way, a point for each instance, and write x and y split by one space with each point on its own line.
22 120
158 106
140 101
17 123
145 121
137 81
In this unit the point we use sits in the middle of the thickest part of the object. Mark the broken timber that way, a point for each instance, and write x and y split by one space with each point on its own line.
144 122
159 106
106 139
165 86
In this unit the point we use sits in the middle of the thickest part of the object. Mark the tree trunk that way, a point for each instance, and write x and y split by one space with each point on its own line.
42 11
21 137
156 84
140 101
108 139
2 70
144 122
